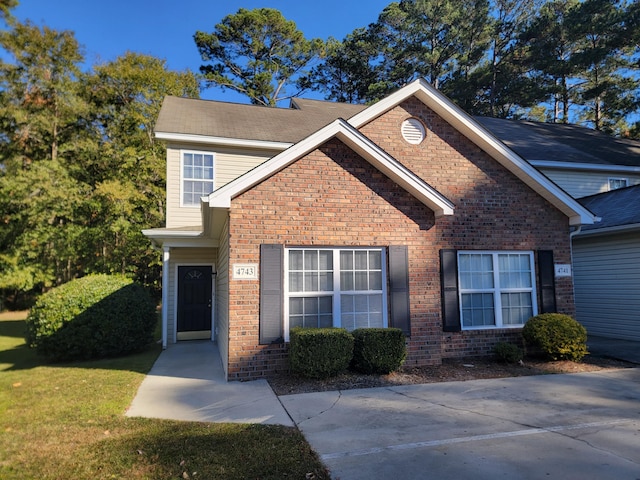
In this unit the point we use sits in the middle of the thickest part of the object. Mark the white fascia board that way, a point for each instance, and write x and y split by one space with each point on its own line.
632 227
467 126
166 233
227 142
550 164
342 130
178 238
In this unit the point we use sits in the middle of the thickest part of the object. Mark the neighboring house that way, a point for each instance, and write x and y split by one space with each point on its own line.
607 266
408 214
580 160
606 255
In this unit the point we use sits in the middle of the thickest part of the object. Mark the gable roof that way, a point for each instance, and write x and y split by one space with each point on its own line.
619 210
342 130
207 121
543 143
484 139
276 128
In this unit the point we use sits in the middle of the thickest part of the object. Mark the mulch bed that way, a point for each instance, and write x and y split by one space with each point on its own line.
449 371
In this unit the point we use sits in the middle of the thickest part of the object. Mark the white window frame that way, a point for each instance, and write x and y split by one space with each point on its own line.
617 179
183 178
496 290
337 292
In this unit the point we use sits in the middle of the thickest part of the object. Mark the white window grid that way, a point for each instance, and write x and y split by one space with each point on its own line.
342 303
196 176
618 182
497 298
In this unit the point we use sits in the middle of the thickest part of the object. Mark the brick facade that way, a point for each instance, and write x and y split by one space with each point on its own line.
333 197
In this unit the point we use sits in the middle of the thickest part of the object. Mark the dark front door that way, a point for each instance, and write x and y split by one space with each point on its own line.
194 302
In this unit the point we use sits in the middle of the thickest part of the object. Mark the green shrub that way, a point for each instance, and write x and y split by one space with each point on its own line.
556 336
507 352
378 350
92 317
320 352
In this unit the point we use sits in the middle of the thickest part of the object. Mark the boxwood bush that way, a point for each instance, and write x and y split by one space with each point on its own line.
378 350
92 317
507 352
320 352
556 336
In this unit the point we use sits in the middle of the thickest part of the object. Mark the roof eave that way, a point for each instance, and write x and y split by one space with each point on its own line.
163 237
222 141
629 228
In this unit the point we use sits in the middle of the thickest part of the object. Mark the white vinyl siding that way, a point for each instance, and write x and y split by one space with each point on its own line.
229 164
222 298
606 273
582 184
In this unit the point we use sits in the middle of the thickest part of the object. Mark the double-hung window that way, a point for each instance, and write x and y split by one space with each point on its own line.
497 289
197 177
335 287
616 183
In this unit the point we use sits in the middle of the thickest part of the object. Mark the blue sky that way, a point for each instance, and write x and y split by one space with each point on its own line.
165 28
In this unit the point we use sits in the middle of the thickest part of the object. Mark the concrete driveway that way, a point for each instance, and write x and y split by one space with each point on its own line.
578 426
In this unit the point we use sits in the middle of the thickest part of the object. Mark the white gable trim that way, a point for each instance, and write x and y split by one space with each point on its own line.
222 141
364 147
461 121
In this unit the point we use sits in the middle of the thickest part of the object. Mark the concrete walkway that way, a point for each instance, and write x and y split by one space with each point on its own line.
583 426
187 383
578 426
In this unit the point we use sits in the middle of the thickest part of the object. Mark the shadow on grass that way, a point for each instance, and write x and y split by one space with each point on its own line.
19 356
166 449
13 328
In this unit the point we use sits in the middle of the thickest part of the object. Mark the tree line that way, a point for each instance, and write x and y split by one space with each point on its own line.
81 173
567 61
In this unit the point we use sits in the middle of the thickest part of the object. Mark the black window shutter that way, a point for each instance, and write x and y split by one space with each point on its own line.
449 289
271 293
547 279
399 288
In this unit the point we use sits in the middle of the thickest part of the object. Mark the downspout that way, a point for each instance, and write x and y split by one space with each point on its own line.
165 293
571 235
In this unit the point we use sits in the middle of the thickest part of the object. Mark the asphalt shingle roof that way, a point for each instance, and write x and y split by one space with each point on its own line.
616 208
563 143
250 122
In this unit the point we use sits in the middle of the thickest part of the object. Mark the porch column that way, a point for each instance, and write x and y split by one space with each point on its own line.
165 293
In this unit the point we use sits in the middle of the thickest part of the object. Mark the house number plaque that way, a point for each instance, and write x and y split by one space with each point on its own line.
563 270
245 271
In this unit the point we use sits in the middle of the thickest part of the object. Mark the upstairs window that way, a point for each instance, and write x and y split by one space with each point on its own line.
197 177
616 183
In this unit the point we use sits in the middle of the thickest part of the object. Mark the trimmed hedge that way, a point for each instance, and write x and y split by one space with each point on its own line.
378 350
556 336
320 352
507 352
92 317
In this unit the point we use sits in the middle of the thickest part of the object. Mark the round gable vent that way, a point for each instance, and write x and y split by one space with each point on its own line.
413 131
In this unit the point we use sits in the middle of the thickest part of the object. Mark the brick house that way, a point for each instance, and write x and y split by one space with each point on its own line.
409 214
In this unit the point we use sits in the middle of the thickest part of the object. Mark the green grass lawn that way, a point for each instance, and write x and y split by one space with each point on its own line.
66 421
